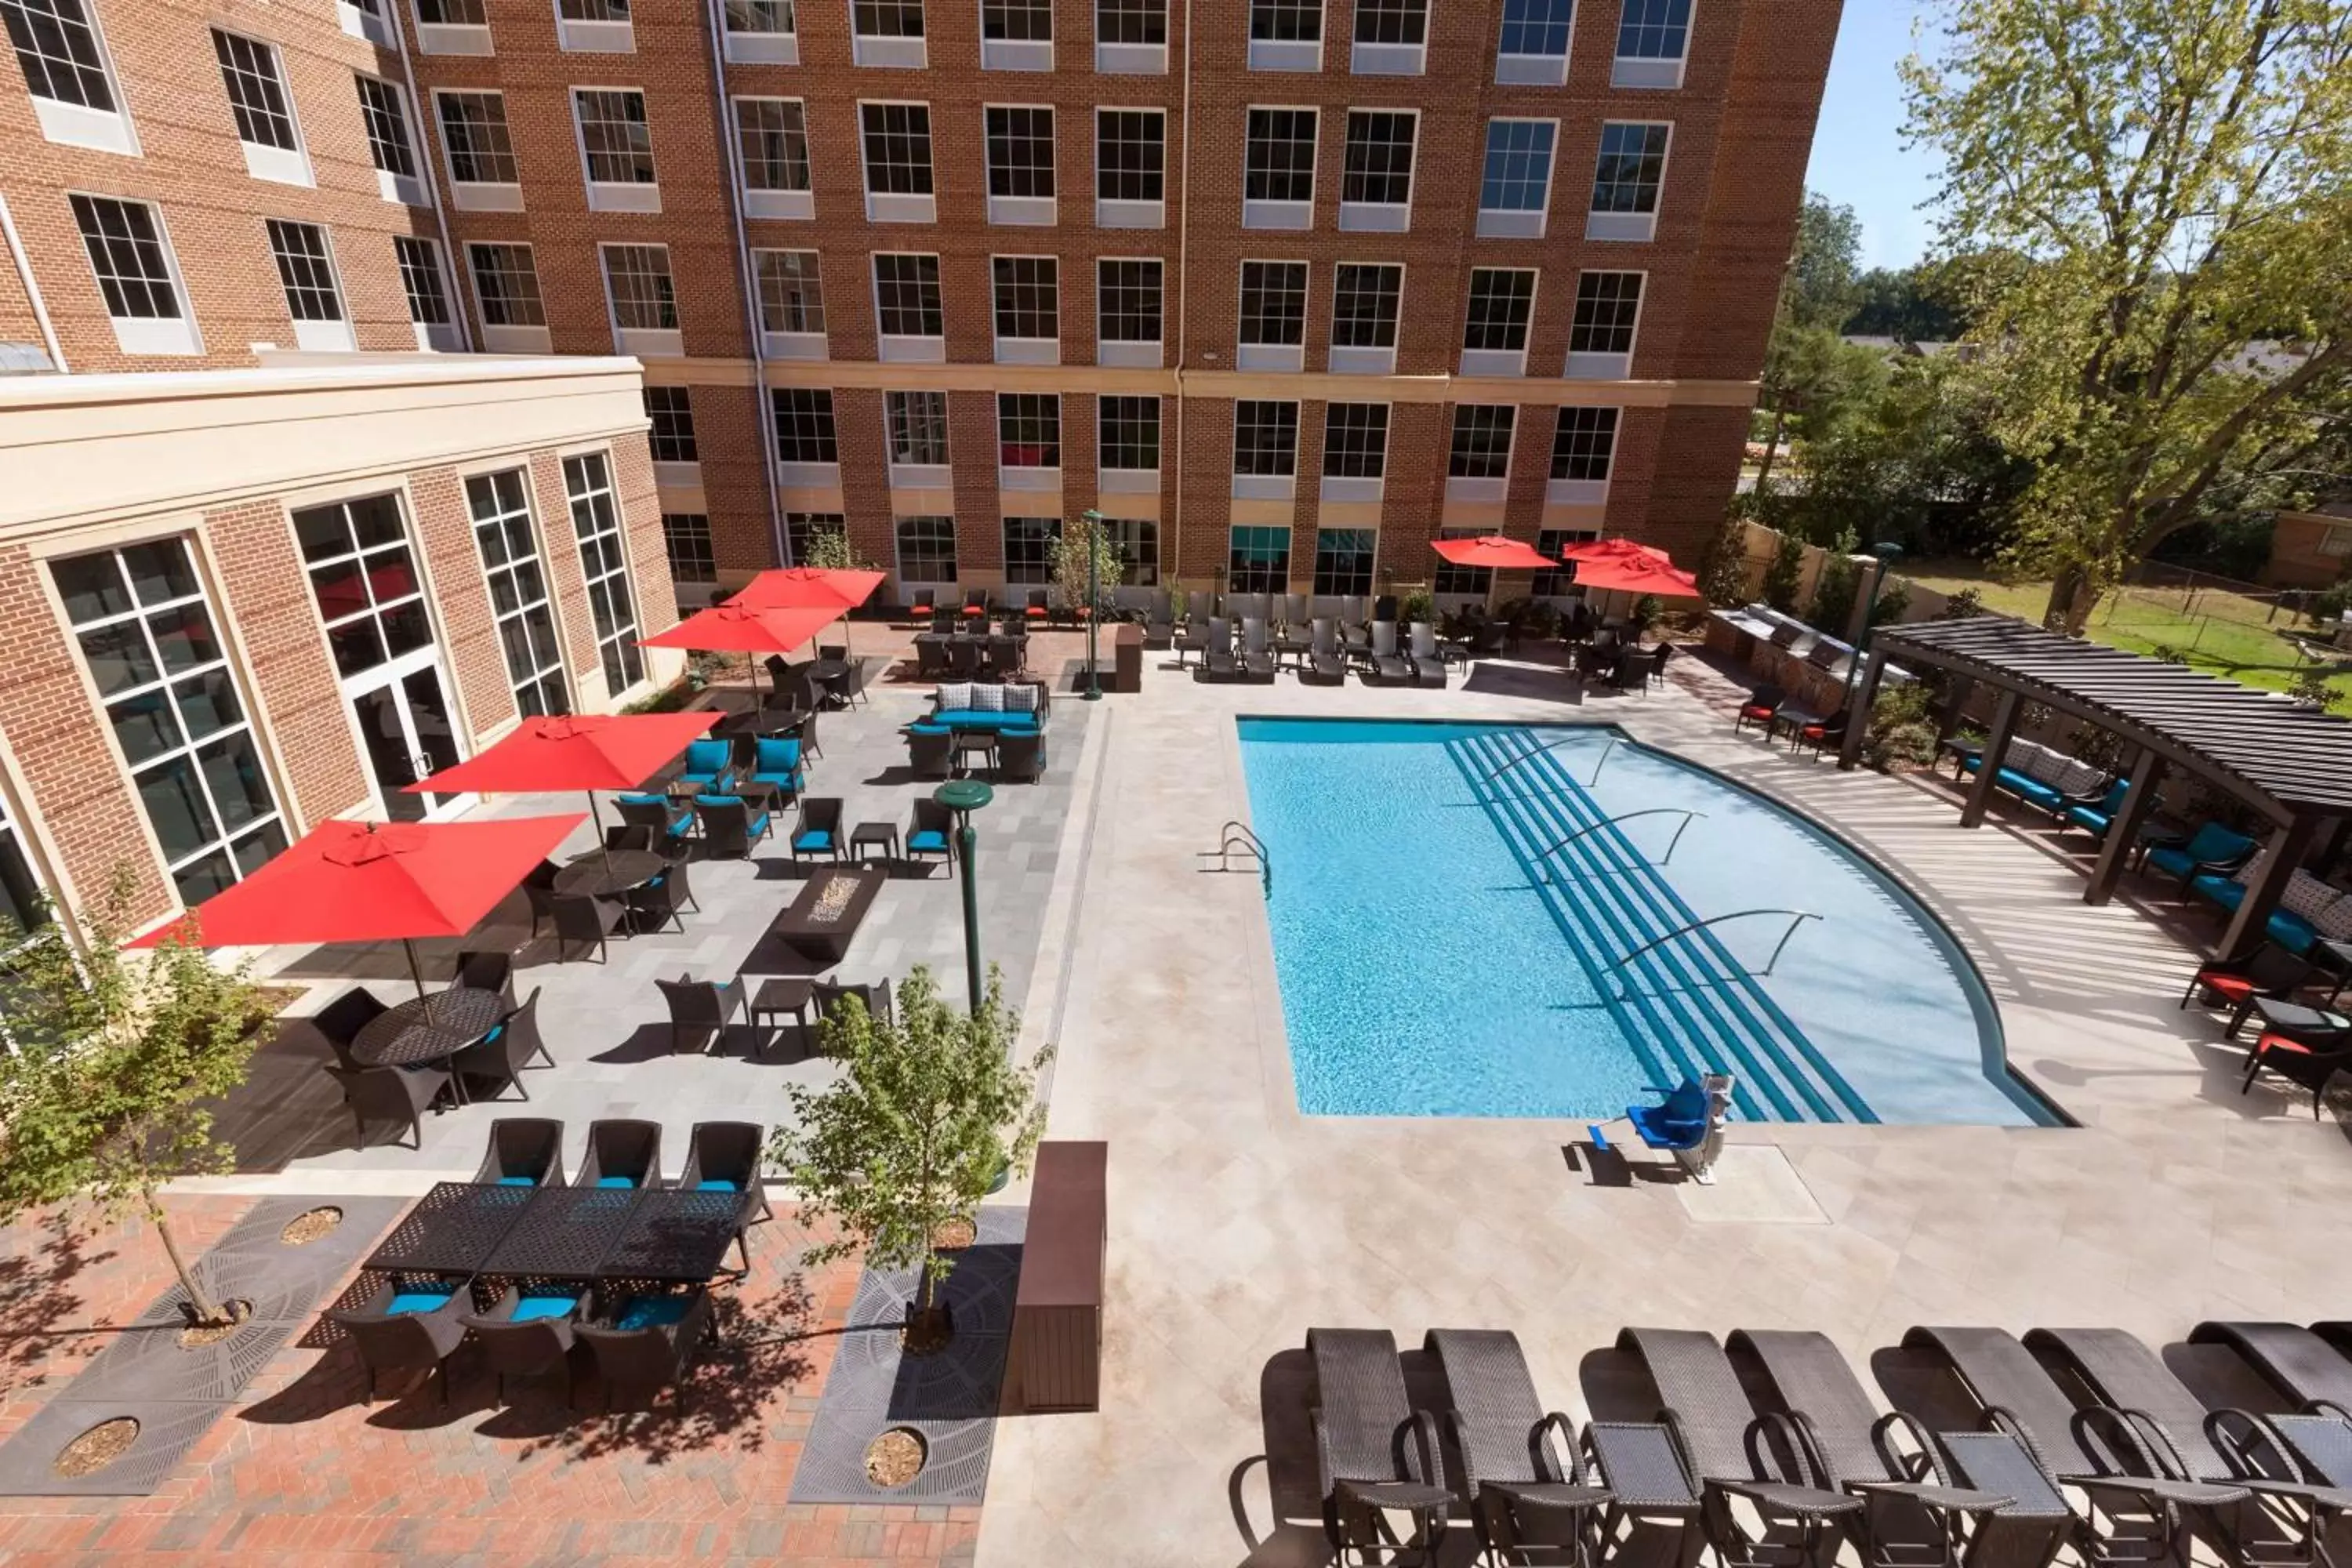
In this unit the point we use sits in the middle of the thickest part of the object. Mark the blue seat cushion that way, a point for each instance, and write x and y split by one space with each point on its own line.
973 718
776 756
2029 788
1660 1131
925 727
498 1029
2292 932
2214 888
929 838
707 759
516 1182
813 839
2091 817
615 1181
531 1306
404 1303
717 1187
2171 860
652 1311
719 799
791 781
642 799
757 826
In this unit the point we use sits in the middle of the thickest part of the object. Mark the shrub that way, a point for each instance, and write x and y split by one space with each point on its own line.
1723 570
1782 577
1961 604
2309 687
1834 589
1892 603
1901 730
1416 605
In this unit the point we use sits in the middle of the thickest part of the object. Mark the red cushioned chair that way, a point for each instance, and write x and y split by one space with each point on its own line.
2264 970
1762 706
2310 1060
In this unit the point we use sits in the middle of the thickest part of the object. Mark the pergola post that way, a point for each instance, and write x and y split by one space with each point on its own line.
2123 832
1956 707
1858 706
2283 856
2004 726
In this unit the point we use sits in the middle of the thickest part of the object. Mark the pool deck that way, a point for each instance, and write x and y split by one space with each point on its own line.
1235 1223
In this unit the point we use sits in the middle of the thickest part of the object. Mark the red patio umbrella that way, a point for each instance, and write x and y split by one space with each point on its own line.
582 751
733 628
1495 552
1618 549
1629 575
840 589
374 882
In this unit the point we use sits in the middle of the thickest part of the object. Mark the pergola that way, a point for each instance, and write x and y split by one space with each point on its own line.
2292 763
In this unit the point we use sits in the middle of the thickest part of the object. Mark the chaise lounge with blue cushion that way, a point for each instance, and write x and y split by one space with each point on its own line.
988 705
2045 778
2308 909
2212 848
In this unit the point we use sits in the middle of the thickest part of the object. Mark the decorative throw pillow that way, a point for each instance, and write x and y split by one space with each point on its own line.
2307 896
1020 700
2081 778
2253 868
987 698
2024 756
2334 921
955 696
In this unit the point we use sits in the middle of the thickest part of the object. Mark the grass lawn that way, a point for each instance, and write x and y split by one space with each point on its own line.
2227 636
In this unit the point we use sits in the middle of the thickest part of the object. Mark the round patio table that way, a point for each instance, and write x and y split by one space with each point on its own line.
603 874
429 1028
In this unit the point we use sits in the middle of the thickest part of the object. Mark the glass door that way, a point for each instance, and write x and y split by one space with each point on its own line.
404 727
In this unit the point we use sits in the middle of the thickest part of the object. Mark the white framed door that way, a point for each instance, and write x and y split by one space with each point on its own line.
407 732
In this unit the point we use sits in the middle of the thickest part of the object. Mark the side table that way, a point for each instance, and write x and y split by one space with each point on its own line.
883 834
781 996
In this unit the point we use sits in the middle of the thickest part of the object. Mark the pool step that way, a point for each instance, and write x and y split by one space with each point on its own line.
1688 1005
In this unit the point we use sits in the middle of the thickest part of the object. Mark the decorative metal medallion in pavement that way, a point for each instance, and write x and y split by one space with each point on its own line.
950 1398
175 1392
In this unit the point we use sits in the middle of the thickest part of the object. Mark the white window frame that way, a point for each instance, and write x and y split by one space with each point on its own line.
1391 60
889 52
1533 70
1279 357
509 337
916 476
599 36
897 206
79 125
1605 366
1128 482
1357 486
173 335
451 38
331 337
1377 218
405 190
1638 226
1012 211
1518 222
1015 54
1026 351
366 19
1288 54
498 618
264 161
795 345
1646 72
1356 359
761 48
1122 211
615 195
481 195
1581 492
621 645
1284 214
760 202
1130 353
1266 486
434 337
1484 490
910 348
1121 58
1499 362
658 343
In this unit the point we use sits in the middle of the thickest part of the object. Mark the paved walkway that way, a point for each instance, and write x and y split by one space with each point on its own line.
1235 1223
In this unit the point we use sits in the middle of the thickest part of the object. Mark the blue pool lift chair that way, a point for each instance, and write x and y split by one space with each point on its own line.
1687 1122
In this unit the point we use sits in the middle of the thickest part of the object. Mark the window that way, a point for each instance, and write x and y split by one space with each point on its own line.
613 137
256 92
1343 560
1130 157
128 256
452 13
1018 19
686 539
805 530
474 126
1392 22
301 249
1126 301
644 299
1132 22
507 284
918 427
145 630
1364 305
58 46
421 280
1278 168
760 16
1607 306
1653 36
906 295
1019 158
1584 444
1273 314
773 135
1451 579
1138 545
1534 27
1379 169
887 18
1482 441
1128 430
791 295
363 579
927 549
1028 289
1259 561
1285 34
2336 541
596 523
1625 181
1266 438
671 409
803 426
1554 543
898 142
386 121
23 903
1501 301
1029 549
592 10
1355 441
1029 429
1516 189
519 594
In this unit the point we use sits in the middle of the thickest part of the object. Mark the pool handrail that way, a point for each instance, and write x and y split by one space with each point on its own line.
1528 756
1686 814
1797 918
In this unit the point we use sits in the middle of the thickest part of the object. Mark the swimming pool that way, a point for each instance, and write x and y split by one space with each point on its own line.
1470 920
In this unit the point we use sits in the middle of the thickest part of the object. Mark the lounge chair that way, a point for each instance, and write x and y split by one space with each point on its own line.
2312 1061
643 1341
1373 1451
409 1323
819 832
1521 1490
919 605
1191 638
1021 754
1257 653
930 831
730 826
777 764
2265 970
1714 1428
390 1094
621 1154
1325 665
1381 662
699 1010
873 995
724 1157
523 1151
2211 850
1635 666
1910 1514
1217 656
2299 1363
1820 735
2021 1400
1355 622
665 899
2095 817
528 1331
1160 620
930 659
1763 707
1428 663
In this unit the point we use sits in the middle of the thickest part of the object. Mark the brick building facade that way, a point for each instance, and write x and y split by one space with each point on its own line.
1372 269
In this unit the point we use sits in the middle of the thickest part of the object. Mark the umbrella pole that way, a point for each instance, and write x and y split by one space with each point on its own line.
596 820
415 974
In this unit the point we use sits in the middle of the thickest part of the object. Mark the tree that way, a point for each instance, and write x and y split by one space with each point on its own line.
1067 560
1834 588
1910 304
829 549
1723 570
2175 173
1816 296
117 1059
929 1113
1913 459
1785 571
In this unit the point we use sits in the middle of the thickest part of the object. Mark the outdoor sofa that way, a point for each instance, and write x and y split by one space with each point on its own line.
989 705
2046 778
2308 909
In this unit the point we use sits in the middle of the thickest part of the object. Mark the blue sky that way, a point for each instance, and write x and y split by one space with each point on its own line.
1858 156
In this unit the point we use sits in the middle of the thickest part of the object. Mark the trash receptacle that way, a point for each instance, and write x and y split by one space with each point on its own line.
1127 657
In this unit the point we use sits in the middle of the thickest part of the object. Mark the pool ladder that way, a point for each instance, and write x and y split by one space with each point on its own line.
1235 838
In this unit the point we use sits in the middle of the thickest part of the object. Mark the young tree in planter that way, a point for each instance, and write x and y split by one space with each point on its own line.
929 1114
118 1058
1067 561
829 550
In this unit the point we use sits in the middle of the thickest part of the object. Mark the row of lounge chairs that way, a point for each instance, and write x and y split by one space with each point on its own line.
2001 1452
1323 653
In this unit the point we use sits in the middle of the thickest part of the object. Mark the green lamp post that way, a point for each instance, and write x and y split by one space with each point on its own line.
1093 519
964 796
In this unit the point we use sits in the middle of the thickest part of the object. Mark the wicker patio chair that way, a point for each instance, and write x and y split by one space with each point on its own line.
524 1152
338 1023
527 1332
646 1342
724 1156
389 1094
699 1010
622 1153
1374 1450
1521 1491
502 1054
408 1324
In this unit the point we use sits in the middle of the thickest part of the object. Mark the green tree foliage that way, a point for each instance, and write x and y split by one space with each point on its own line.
1067 561
1723 569
117 1059
1912 458
2176 176
1817 294
929 1112
830 550
1834 589
1785 571
1902 730
1910 304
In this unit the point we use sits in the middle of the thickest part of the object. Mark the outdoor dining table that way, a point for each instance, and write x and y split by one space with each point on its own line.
452 1228
431 1028
660 1234
603 874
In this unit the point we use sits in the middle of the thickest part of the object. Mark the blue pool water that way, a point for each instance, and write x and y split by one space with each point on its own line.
1443 952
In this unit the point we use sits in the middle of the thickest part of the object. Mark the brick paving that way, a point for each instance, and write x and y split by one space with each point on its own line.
302 1471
